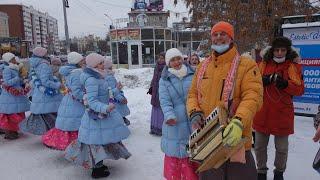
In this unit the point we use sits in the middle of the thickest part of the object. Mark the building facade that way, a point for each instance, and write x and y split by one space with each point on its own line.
4 25
33 26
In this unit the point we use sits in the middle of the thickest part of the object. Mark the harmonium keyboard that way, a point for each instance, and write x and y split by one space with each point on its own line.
205 144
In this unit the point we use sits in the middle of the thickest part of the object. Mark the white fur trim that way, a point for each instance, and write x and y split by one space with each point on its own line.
182 72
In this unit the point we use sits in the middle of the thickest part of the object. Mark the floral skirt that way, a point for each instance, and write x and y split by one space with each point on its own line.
58 139
39 124
179 169
11 122
88 156
156 121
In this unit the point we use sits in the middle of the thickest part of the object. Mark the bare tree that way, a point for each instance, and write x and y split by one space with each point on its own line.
255 21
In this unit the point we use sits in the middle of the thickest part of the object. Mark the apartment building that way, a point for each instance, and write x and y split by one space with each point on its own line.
4 26
32 25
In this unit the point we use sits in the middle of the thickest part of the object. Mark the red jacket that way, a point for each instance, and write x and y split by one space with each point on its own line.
276 116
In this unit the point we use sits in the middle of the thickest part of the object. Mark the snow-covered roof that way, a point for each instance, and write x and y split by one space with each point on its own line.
297 25
299 16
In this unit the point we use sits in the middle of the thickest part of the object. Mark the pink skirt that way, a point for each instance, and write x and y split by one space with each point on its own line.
58 139
179 169
10 122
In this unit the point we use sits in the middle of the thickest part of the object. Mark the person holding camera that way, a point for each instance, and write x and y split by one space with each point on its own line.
282 79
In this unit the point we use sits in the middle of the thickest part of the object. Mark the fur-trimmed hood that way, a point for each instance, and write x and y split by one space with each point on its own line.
292 55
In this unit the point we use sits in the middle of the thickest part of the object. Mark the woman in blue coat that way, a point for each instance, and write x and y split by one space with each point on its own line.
13 100
71 108
120 101
173 90
46 96
102 129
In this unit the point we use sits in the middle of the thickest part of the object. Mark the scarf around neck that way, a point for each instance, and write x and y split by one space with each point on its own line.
182 72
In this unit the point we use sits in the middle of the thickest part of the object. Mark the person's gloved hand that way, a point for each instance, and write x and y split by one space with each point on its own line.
281 83
267 79
233 132
197 119
150 91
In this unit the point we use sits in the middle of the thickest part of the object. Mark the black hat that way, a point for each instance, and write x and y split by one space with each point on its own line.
281 42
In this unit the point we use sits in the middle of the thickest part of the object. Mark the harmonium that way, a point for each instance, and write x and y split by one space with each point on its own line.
205 144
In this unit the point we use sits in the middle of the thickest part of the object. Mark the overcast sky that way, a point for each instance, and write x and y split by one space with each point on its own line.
87 16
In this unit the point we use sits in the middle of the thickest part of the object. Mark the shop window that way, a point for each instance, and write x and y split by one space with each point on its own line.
168 45
147 52
159 47
195 45
123 52
114 53
146 33
168 34
159 33
184 36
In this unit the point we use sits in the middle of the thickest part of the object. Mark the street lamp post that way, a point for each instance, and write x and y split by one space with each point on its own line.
66 5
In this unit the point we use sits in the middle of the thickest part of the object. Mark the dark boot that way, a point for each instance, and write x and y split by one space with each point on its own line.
262 176
11 135
126 121
100 172
278 175
2 131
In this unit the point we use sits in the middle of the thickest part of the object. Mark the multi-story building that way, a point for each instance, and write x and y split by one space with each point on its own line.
34 26
4 26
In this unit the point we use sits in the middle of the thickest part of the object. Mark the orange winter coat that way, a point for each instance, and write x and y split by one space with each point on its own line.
248 92
276 116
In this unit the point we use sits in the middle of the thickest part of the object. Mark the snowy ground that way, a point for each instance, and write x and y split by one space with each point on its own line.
26 158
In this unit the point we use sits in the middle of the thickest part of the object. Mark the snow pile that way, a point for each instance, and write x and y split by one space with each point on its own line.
133 78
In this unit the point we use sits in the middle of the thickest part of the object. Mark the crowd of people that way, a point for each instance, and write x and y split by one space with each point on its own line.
80 108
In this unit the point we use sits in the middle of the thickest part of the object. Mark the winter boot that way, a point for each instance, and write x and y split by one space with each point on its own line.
278 175
11 135
262 176
126 121
100 172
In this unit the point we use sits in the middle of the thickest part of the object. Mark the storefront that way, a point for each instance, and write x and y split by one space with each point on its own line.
139 47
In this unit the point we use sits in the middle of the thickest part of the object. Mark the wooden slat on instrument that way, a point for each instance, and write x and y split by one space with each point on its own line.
219 156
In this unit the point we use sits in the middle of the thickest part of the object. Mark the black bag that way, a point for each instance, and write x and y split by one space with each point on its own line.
316 162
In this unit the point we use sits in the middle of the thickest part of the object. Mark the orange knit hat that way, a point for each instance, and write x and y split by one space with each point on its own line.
224 27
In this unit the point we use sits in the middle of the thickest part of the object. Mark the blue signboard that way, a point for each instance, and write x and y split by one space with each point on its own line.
307 41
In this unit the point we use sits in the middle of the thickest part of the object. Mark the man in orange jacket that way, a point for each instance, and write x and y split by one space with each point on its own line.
233 81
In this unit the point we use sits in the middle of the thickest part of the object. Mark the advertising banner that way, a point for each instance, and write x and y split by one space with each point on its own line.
113 35
133 34
307 41
122 35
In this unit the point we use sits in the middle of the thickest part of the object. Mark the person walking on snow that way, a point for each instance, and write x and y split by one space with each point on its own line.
120 101
13 100
173 89
46 96
156 112
71 108
102 128
282 79
234 82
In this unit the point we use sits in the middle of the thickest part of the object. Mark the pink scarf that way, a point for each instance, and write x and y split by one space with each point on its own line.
228 85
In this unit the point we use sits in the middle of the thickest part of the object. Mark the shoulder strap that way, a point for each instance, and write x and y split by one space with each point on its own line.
200 75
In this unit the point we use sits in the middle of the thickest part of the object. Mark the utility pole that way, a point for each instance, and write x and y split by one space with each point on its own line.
66 5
